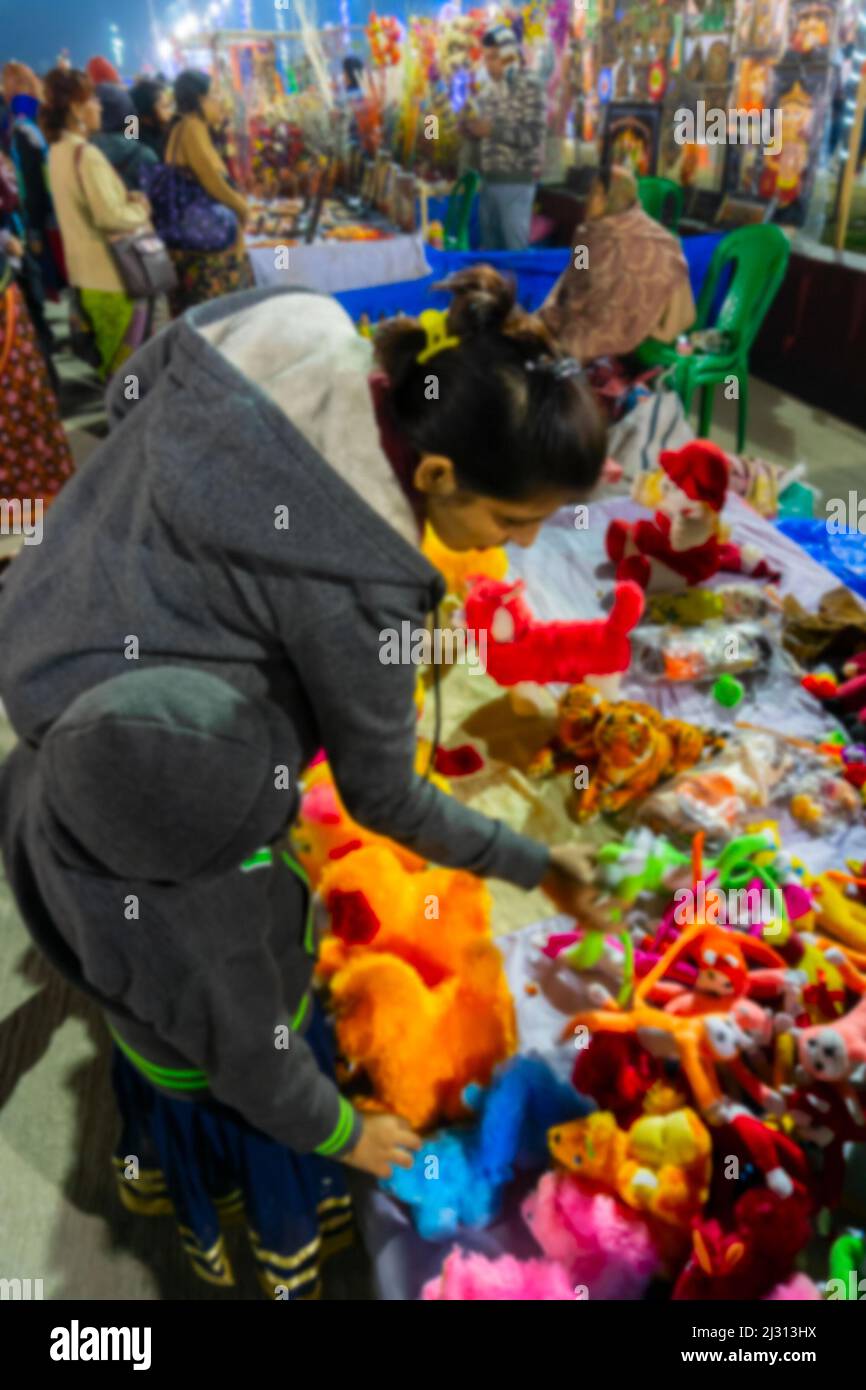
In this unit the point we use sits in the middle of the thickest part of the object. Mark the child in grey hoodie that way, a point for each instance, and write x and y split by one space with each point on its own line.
207 610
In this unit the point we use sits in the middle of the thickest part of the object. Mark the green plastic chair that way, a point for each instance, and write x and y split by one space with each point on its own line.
455 233
758 259
662 200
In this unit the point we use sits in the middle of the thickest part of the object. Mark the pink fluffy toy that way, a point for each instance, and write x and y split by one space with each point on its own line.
514 647
602 1245
466 1277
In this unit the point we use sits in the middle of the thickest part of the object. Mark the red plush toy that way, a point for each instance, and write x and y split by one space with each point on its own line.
514 647
750 1260
822 1117
684 537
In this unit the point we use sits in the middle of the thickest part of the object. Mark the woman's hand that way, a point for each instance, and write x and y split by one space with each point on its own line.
136 196
385 1140
569 883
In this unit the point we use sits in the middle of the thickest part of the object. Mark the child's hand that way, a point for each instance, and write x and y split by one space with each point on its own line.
385 1140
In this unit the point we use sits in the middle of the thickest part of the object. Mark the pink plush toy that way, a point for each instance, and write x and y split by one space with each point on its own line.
798 1289
466 1277
520 649
603 1245
684 540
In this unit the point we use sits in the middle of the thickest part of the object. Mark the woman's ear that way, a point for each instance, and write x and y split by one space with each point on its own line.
435 476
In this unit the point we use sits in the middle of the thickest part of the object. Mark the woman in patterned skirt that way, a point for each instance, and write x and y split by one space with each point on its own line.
205 275
34 454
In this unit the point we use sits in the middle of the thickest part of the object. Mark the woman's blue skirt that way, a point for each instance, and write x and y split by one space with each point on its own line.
203 1163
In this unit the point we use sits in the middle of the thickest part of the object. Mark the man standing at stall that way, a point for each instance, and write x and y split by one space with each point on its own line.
510 127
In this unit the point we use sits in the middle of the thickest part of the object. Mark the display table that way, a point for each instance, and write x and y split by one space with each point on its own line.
332 266
565 574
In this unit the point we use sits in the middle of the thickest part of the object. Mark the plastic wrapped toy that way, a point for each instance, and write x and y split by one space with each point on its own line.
418 987
701 653
683 545
518 648
722 794
458 1178
627 747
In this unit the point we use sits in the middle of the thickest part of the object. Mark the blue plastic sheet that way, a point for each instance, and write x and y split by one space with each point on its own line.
536 272
843 553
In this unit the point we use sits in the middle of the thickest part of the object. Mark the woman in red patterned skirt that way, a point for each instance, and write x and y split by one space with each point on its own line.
34 453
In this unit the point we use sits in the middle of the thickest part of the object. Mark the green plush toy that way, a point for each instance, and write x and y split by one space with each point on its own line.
638 864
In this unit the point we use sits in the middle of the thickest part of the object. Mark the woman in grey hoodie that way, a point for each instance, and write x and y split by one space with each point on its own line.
206 610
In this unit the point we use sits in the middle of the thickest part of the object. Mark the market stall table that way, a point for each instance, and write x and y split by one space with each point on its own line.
565 571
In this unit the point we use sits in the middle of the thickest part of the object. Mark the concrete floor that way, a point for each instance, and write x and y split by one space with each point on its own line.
59 1218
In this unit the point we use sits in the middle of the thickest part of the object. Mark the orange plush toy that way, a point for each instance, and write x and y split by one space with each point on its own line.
417 985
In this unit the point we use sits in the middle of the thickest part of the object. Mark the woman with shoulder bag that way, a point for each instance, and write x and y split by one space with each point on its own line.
205 274
93 208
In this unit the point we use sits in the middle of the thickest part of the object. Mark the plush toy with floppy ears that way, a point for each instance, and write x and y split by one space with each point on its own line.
473 1165
515 647
416 982
683 545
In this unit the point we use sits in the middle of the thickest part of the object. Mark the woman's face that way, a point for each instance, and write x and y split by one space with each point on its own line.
471 521
162 107
86 116
211 110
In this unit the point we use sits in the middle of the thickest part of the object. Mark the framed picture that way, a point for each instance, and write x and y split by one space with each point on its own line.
811 30
694 166
762 27
631 137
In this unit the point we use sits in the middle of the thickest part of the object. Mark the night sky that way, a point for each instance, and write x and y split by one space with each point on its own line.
34 31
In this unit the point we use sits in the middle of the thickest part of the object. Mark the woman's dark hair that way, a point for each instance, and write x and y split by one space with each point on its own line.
145 94
515 417
64 88
116 105
189 88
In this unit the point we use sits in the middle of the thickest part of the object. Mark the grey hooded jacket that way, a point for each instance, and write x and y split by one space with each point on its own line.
240 521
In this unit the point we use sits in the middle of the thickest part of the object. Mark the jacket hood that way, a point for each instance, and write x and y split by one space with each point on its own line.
166 774
307 357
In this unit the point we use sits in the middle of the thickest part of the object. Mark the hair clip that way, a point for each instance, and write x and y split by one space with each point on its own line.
560 368
435 325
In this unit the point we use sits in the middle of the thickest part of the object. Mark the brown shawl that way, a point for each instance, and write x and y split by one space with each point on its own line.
633 284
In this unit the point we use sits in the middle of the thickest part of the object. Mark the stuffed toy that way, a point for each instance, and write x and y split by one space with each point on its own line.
417 985
324 830
618 1074
841 917
599 969
459 567
722 977
604 1245
798 1289
661 1165
458 1177
701 1044
516 648
822 1118
626 747
750 1260
683 545
640 863
832 1051
467 1277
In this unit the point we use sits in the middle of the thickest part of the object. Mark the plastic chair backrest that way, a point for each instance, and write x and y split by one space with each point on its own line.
758 258
662 200
455 233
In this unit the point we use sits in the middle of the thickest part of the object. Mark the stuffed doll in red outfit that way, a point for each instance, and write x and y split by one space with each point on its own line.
683 546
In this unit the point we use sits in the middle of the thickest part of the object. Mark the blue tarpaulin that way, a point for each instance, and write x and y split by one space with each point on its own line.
536 272
841 552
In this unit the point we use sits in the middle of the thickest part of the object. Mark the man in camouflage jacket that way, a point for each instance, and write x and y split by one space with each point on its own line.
511 128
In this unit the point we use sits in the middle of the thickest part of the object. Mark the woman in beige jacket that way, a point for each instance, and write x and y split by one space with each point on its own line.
92 206
205 274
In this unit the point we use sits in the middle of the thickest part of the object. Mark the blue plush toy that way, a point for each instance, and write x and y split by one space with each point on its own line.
457 1178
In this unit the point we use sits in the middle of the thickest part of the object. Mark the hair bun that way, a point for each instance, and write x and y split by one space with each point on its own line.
482 300
397 343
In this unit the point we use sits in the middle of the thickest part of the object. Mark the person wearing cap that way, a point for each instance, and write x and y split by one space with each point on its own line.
510 126
118 137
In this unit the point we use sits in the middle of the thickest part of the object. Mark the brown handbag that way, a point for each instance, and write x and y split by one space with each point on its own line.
141 257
